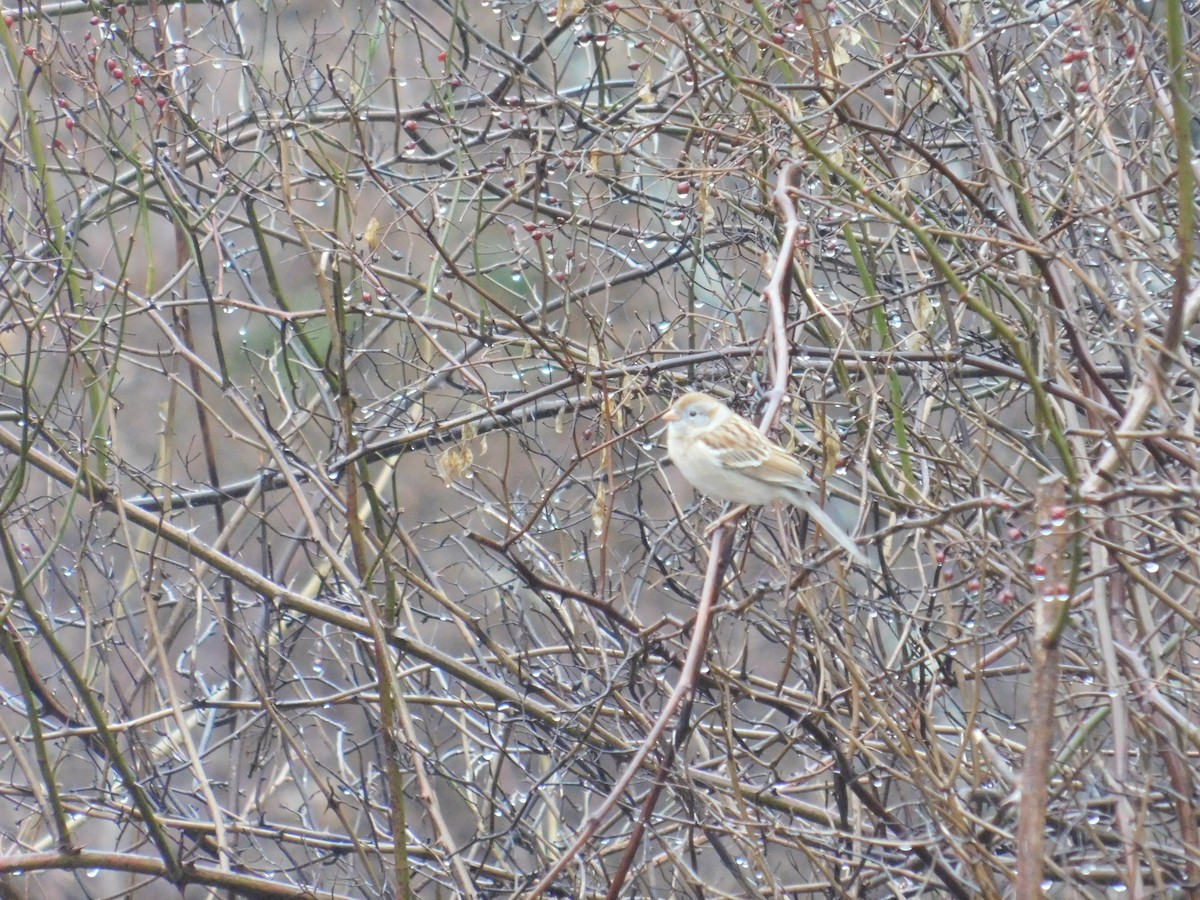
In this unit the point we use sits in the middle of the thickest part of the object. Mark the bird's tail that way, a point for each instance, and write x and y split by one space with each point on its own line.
833 530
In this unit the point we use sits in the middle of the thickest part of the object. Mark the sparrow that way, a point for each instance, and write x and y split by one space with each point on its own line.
723 456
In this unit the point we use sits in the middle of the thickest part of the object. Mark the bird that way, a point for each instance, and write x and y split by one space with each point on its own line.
723 456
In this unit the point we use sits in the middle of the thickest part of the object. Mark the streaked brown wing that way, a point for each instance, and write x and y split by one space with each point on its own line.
737 444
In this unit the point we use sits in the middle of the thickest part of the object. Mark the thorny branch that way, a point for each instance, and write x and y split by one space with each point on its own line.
341 555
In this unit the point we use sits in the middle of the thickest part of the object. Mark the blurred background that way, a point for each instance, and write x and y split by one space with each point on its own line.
341 554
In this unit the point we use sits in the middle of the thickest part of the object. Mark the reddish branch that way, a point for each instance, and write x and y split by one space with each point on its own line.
775 296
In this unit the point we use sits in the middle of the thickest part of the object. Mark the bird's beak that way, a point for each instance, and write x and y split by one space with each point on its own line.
670 415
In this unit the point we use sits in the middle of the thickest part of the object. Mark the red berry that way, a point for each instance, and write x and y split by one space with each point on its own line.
411 125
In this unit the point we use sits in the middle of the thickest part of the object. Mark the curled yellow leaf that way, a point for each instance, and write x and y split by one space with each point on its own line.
454 462
371 235
599 510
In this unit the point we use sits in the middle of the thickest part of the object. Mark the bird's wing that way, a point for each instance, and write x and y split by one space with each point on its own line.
739 445
736 444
